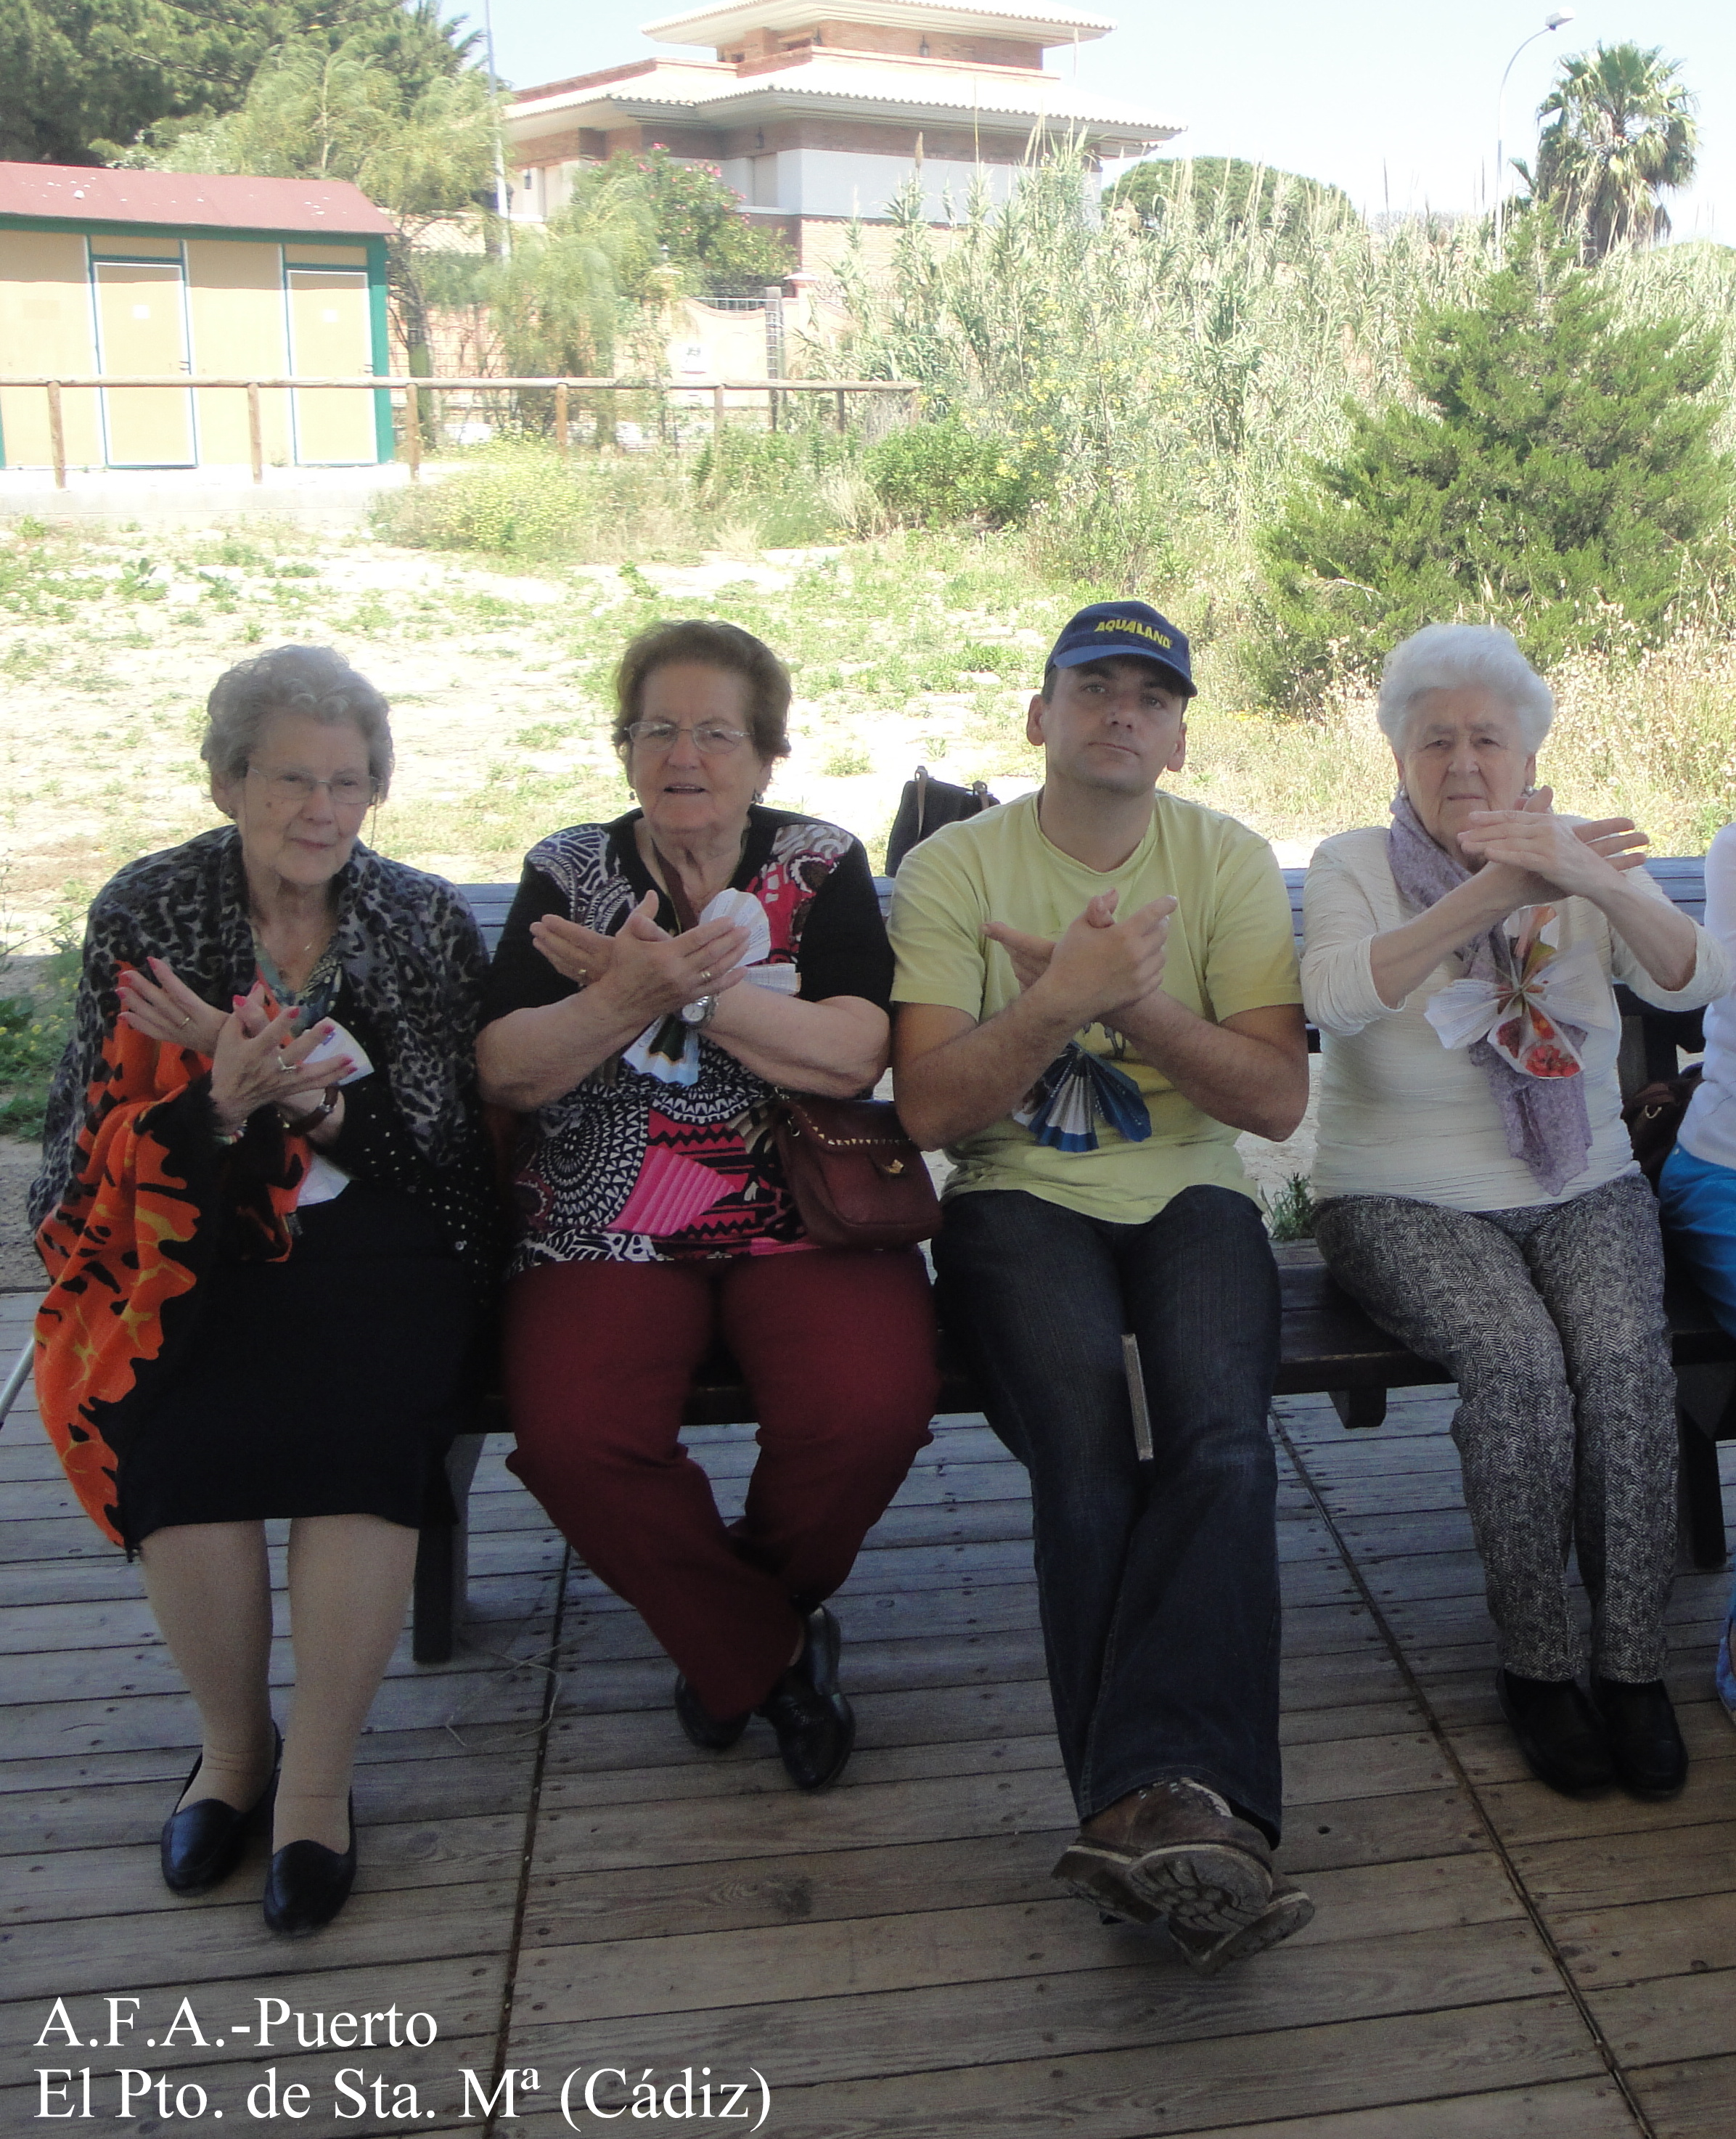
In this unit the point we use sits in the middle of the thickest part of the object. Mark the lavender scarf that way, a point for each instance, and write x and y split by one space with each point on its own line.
1545 1119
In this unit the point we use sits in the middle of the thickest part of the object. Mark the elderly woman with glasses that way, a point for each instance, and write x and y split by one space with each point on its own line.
1477 1190
265 1210
659 978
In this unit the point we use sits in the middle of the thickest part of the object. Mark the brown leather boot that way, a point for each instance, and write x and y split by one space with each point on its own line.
1173 1850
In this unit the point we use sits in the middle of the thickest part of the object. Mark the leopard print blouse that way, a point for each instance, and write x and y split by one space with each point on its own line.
412 966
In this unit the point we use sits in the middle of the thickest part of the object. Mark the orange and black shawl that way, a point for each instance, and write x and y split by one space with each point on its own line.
152 1200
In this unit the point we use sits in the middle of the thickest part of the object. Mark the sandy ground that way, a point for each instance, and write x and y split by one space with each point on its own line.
499 731
101 707
19 1270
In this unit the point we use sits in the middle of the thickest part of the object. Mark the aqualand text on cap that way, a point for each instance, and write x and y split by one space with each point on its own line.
1108 629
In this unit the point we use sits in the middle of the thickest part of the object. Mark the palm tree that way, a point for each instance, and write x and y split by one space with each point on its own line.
1623 133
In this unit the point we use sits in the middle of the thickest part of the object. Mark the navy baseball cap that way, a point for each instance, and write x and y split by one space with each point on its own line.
1107 629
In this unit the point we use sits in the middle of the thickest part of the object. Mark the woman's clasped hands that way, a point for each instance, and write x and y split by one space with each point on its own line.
643 973
257 1057
1551 858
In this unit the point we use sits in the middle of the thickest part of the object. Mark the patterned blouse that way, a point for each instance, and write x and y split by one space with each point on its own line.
625 1167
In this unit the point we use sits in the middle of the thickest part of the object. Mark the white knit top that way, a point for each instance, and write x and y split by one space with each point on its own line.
1399 1114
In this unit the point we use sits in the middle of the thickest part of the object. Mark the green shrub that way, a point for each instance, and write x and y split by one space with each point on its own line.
937 475
785 484
527 503
1560 479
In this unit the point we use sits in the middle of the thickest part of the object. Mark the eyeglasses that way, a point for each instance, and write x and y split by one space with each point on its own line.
293 789
710 739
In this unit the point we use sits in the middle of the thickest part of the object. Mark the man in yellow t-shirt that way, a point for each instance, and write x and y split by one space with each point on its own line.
1097 990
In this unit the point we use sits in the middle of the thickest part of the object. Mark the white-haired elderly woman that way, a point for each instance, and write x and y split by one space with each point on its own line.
264 1209
1477 1190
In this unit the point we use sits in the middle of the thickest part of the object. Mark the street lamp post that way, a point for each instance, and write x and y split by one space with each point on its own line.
502 201
1552 20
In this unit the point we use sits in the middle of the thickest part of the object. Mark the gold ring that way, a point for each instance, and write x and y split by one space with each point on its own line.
185 1022
706 976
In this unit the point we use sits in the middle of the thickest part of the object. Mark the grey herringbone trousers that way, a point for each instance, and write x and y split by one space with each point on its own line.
1550 1320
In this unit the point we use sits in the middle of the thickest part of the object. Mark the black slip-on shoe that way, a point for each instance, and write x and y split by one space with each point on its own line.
1558 1731
814 1725
202 1843
308 1884
712 1733
1650 1760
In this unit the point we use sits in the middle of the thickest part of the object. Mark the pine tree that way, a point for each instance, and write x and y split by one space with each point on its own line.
1559 478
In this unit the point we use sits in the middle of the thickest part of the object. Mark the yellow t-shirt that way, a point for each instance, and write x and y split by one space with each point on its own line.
1231 948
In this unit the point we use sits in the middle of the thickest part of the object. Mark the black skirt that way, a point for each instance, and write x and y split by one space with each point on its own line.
330 1383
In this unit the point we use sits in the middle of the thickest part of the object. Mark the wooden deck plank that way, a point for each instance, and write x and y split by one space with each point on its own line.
1137 1992
1578 2109
894 1953
1690 2101
1120 2097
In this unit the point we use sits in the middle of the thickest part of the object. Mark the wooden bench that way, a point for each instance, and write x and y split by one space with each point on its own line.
1329 1345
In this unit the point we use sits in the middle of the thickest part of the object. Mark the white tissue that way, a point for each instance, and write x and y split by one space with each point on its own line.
340 1042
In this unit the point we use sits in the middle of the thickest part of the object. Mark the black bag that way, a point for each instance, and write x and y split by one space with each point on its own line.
1653 1117
925 805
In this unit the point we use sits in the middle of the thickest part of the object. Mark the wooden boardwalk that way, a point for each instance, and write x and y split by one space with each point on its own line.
563 1885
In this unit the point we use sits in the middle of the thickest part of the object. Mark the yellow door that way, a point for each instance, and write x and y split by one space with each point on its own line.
141 325
331 337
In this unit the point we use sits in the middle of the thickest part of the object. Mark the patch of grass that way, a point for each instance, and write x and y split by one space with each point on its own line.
1290 1213
545 735
33 1029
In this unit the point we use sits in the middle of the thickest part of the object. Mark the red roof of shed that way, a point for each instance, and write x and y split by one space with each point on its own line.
71 193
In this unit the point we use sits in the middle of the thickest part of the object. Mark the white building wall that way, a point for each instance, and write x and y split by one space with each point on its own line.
848 182
828 182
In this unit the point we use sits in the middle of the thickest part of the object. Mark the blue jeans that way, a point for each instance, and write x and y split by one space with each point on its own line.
1697 1203
1697 1200
1158 1582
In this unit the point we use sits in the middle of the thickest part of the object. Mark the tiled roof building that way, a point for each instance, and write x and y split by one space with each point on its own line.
816 111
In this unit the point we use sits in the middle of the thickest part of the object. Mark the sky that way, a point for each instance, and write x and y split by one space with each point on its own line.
1393 102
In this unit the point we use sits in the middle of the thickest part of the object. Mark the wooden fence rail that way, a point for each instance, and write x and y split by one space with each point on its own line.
413 389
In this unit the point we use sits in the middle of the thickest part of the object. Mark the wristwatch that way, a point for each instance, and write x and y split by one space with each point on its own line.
701 1011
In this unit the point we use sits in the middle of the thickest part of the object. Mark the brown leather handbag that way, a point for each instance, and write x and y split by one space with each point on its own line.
858 1180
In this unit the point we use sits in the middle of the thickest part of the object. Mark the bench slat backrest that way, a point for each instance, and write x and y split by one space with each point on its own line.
1682 876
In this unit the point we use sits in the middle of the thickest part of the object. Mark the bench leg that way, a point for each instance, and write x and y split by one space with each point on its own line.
1701 1496
1359 1408
443 1562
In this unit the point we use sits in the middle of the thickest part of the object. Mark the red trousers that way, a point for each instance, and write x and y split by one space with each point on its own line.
839 1351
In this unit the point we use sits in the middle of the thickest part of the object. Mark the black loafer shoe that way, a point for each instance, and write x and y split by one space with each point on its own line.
308 1884
1558 1732
1650 1760
202 1843
713 1733
812 1719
